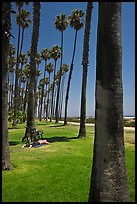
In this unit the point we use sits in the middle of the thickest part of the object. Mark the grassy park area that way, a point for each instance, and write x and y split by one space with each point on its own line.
58 171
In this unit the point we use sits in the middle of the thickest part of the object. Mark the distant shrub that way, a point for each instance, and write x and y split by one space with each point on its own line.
90 120
10 116
129 123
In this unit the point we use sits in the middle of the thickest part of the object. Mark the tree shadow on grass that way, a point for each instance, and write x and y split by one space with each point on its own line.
59 139
12 143
59 125
42 124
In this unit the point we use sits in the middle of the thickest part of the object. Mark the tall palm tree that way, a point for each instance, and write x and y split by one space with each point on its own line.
21 19
45 55
55 54
82 130
61 23
18 20
34 44
11 70
76 22
49 70
109 181
65 69
38 73
25 22
23 60
45 94
26 73
6 27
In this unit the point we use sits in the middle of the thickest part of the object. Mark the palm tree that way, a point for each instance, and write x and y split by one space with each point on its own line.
76 22
6 27
23 60
23 80
34 44
11 69
65 69
42 82
82 130
45 55
21 20
49 70
26 73
45 94
23 15
61 23
55 54
38 73
109 181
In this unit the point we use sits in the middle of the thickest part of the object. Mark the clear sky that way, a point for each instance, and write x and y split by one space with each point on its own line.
49 36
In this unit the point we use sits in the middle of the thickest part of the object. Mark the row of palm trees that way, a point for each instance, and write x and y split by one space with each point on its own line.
109 181
23 77
56 52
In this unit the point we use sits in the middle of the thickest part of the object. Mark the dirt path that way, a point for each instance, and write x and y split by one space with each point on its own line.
91 124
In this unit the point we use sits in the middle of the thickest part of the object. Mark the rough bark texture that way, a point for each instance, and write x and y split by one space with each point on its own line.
34 43
6 23
69 79
109 181
82 130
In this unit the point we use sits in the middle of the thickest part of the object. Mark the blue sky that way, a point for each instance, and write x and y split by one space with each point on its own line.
49 36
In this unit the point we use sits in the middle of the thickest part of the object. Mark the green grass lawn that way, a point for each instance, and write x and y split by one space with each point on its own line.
58 171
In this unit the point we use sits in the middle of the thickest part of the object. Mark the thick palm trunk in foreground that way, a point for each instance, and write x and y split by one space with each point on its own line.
6 6
109 181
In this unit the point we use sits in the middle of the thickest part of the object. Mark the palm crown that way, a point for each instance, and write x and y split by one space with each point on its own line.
21 18
76 20
61 22
49 67
55 52
45 54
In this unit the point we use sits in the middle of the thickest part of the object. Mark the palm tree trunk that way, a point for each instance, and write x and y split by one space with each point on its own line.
34 44
109 181
11 98
35 97
53 93
20 80
42 94
22 39
58 90
45 103
6 7
47 108
21 45
25 97
61 97
82 130
69 79
16 83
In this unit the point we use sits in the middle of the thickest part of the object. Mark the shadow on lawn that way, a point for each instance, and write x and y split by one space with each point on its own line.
12 143
59 139
59 125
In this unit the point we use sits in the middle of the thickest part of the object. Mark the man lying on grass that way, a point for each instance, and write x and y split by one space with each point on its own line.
35 143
